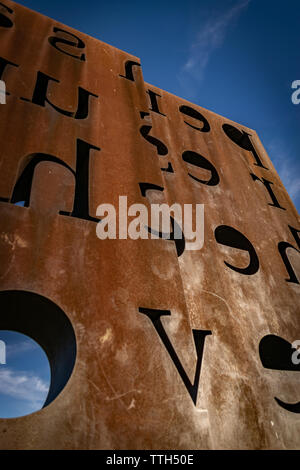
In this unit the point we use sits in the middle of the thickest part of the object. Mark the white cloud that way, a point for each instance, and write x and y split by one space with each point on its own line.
290 181
285 167
23 386
20 347
211 35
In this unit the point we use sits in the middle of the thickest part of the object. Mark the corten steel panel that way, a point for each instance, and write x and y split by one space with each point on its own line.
239 309
125 391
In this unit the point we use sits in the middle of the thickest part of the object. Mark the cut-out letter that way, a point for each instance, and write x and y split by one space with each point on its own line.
22 189
282 247
5 21
267 185
276 354
40 97
194 158
242 139
229 236
188 111
129 70
154 103
78 43
199 339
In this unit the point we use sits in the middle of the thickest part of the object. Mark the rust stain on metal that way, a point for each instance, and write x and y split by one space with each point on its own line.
81 128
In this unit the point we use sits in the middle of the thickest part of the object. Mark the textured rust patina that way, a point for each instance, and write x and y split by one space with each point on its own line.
125 391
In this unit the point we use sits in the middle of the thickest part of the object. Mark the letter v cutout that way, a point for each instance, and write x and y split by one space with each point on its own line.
199 339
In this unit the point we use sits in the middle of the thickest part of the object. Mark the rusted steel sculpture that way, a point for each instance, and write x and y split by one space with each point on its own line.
151 345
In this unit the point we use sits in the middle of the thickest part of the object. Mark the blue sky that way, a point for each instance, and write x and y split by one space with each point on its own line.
235 57
25 378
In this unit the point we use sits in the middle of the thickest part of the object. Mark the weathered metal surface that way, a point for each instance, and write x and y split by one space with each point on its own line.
239 309
126 391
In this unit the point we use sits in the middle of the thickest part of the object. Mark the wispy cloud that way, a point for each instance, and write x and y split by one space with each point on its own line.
20 347
211 36
287 168
23 386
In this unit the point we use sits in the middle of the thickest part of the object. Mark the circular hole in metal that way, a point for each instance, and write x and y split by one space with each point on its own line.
45 322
